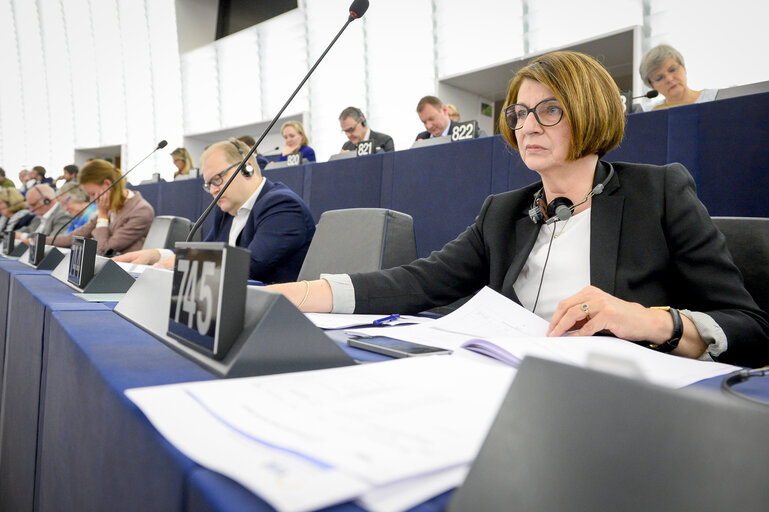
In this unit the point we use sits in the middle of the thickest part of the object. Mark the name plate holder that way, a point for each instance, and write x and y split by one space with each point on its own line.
41 256
365 147
465 130
271 337
10 248
85 271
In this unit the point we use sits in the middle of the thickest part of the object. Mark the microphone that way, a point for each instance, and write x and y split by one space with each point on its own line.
651 94
357 9
160 145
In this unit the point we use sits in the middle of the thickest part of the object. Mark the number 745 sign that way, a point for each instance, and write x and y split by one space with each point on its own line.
208 277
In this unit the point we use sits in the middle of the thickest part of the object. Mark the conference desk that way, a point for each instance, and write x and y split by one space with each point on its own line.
73 441
722 143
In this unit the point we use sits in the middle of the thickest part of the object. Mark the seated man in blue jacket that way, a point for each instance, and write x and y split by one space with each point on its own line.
266 218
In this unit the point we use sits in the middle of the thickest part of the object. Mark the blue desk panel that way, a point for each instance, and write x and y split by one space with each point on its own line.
346 183
443 187
8 268
112 457
34 297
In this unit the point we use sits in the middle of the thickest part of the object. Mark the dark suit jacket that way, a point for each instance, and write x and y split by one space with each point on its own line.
278 233
426 135
381 140
652 242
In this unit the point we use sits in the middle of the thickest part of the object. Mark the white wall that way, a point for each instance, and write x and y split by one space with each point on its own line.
88 74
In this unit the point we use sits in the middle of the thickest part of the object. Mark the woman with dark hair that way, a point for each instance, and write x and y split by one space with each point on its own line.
123 218
593 247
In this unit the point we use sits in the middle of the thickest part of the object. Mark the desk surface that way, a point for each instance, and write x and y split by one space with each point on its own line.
95 449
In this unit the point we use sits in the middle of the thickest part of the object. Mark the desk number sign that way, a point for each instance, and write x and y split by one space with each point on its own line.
208 296
36 249
464 130
365 147
293 159
82 259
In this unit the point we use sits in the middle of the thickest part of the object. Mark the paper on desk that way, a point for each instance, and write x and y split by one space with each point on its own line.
410 493
605 353
343 321
499 321
308 440
132 268
100 297
487 315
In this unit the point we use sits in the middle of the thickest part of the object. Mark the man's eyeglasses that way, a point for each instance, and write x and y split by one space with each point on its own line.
218 179
349 130
546 112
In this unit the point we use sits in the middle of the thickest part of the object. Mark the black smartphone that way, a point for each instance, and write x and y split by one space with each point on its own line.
392 347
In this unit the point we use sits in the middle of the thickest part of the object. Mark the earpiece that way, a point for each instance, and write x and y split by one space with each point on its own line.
248 169
561 208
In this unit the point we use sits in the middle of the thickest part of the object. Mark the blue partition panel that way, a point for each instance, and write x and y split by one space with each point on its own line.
443 188
724 145
292 177
645 139
348 183
97 450
34 297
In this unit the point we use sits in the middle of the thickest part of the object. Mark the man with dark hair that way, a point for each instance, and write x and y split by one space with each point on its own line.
38 174
250 141
5 181
354 125
69 174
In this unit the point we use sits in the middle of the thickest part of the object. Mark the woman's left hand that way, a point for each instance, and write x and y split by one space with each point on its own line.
103 205
592 310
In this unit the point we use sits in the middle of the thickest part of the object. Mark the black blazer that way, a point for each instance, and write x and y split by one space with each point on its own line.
381 140
652 242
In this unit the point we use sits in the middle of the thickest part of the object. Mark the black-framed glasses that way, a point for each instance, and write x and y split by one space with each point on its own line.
218 179
349 130
546 112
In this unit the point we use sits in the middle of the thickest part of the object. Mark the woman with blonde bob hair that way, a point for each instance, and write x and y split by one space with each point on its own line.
182 161
296 141
594 247
123 218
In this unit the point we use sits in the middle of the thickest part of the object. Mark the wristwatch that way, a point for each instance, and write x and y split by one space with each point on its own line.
678 331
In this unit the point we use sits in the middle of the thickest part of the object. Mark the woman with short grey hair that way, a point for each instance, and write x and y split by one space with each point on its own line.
663 69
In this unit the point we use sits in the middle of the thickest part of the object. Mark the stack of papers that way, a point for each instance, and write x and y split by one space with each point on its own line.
495 326
391 434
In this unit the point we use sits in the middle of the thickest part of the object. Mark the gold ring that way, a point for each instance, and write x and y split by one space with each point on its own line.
586 310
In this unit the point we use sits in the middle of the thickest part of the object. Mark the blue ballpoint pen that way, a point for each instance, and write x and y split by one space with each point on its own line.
390 318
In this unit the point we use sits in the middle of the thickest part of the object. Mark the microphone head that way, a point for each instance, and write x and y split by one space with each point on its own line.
358 8
163 143
652 94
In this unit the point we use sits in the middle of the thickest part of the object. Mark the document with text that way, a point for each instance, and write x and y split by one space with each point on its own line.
307 440
495 326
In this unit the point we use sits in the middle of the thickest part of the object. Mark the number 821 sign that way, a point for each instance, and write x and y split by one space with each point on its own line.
206 275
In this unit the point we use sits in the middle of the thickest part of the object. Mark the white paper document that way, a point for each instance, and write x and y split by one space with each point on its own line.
307 440
501 322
